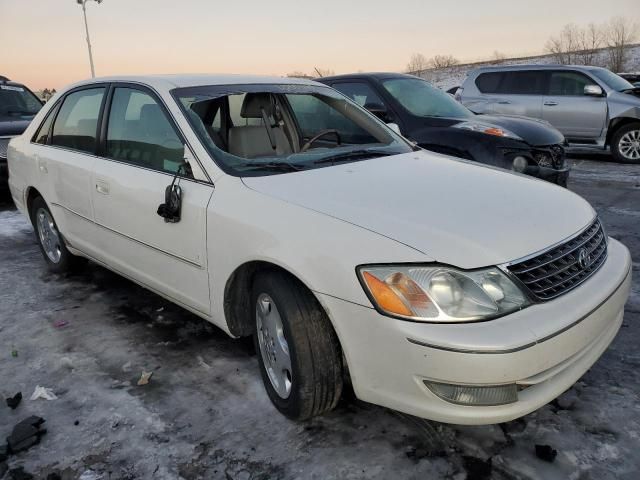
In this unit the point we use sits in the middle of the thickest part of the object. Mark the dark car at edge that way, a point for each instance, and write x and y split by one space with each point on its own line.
435 121
18 106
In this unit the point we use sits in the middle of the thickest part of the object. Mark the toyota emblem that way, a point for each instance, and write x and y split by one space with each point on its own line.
584 258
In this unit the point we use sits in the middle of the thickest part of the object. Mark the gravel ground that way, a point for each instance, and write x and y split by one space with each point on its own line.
205 414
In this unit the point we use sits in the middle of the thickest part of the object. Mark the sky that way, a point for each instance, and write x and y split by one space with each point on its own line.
42 42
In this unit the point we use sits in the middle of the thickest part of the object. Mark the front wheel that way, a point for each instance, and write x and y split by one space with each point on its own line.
625 144
50 240
299 353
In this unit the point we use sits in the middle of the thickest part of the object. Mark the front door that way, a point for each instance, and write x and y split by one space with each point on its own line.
567 108
142 152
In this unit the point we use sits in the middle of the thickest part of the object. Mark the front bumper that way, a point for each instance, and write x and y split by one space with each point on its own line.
544 349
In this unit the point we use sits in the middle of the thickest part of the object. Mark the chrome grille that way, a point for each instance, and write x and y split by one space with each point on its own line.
564 267
4 144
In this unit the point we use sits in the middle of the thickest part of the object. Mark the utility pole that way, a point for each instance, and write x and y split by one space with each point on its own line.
86 27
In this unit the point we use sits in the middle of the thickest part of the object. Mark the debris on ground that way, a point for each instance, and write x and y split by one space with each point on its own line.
477 469
203 363
60 323
144 378
43 392
14 352
546 453
89 475
18 473
25 434
13 402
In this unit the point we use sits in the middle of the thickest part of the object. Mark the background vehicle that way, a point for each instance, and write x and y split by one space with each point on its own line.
18 105
632 78
591 106
435 121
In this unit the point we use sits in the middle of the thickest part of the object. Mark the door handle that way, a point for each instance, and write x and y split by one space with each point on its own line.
551 104
102 187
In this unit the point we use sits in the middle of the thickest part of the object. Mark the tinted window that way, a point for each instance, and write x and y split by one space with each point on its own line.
568 83
523 83
16 101
43 132
360 92
422 99
489 82
140 133
76 124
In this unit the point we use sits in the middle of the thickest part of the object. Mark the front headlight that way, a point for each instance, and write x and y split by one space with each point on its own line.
441 294
488 129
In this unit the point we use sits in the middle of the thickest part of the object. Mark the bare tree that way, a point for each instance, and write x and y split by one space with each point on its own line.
590 39
619 33
565 46
443 61
417 63
324 72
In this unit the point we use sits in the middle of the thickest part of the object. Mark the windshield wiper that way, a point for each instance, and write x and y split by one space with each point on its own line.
349 156
276 166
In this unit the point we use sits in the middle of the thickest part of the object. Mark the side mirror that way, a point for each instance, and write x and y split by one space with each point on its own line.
171 208
395 127
378 110
593 91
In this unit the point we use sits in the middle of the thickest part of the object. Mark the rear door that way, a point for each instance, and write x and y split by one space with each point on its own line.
66 162
567 108
517 92
142 150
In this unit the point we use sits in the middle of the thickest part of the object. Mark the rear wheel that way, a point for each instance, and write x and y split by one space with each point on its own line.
625 144
51 242
298 351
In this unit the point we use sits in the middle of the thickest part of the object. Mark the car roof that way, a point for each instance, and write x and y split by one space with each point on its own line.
533 66
376 75
171 81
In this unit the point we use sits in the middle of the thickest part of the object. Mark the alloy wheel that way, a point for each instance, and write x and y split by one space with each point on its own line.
629 145
48 234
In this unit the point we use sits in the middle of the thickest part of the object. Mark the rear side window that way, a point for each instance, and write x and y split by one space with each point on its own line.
361 93
140 133
568 83
512 83
489 82
42 136
77 122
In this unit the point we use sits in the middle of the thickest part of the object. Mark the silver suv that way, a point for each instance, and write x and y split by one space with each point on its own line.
591 106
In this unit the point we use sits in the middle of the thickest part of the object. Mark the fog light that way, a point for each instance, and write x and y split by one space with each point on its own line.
520 164
475 395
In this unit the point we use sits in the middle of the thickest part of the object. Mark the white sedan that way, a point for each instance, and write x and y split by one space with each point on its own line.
280 209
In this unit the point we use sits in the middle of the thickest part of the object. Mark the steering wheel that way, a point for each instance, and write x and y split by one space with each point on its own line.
323 133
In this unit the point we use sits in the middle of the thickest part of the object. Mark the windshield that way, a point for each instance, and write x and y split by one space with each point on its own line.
269 129
422 99
17 101
611 79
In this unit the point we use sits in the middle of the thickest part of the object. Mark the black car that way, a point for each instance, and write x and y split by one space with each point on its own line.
435 121
18 105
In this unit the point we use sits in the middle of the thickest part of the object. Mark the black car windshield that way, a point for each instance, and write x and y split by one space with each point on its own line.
422 99
611 79
17 101
269 129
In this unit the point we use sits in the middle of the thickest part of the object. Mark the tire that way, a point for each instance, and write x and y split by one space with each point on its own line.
50 240
623 141
314 381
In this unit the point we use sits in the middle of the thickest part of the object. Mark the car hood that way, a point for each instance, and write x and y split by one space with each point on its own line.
454 211
11 127
534 132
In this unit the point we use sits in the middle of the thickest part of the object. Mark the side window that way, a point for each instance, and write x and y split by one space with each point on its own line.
359 92
140 133
489 82
568 83
76 124
523 83
42 135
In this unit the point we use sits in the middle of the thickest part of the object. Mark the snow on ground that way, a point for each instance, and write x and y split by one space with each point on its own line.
205 414
446 78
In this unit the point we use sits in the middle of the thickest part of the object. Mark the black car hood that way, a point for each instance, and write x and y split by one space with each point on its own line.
12 127
534 132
